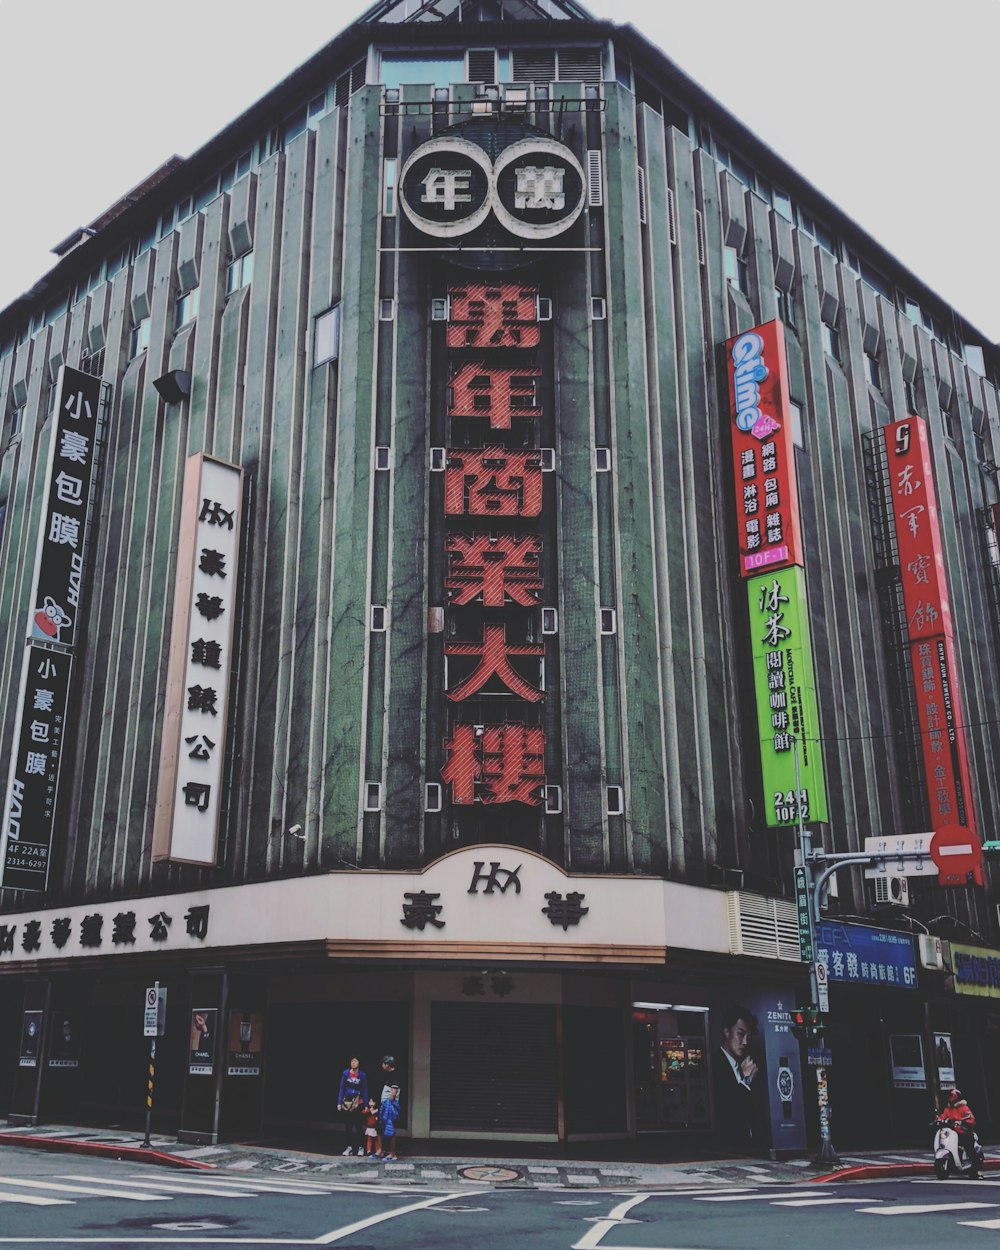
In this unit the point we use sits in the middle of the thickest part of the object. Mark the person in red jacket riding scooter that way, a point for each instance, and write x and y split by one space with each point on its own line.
958 1115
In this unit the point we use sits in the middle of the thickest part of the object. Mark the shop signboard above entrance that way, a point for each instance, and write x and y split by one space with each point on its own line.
859 955
976 970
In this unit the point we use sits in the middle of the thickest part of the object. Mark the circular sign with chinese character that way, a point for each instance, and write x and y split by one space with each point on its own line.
538 188
446 187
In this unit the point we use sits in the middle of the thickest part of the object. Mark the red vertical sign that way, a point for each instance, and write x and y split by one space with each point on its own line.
956 847
767 505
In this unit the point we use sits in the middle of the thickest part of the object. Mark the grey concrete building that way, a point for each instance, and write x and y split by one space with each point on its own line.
406 697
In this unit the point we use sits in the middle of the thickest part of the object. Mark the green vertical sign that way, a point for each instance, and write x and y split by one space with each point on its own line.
802 905
787 714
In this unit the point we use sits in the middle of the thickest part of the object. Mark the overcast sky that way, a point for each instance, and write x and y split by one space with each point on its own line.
890 107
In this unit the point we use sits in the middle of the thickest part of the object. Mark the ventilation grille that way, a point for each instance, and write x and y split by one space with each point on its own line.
699 229
580 65
534 65
482 65
671 216
348 83
764 926
595 180
642 195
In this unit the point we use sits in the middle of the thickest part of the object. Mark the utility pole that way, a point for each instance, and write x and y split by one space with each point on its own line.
807 940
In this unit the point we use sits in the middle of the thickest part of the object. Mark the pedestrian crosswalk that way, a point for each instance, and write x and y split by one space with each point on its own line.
70 1186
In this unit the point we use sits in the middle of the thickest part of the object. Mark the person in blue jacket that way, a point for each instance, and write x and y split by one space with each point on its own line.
388 1115
352 1100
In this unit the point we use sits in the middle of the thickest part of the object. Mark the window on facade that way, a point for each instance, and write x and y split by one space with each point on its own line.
139 339
911 399
441 70
389 187
795 420
15 422
872 372
239 273
326 336
831 341
187 307
786 306
782 205
735 268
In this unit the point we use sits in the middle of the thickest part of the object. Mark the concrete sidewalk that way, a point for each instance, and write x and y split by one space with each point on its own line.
458 1170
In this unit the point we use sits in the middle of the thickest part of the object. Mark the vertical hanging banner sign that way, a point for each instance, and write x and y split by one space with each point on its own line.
33 779
189 789
767 505
918 532
786 697
62 540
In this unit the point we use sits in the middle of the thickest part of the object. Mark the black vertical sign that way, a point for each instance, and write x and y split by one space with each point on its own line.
55 600
53 623
29 815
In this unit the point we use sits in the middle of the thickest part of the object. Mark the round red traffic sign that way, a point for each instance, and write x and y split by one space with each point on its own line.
957 852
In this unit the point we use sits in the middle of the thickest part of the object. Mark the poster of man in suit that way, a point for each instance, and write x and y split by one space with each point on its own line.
734 1071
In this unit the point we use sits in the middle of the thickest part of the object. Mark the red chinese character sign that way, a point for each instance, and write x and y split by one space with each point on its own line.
767 506
494 569
490 314
492 481
495 395
946 760
495 764
494 669
918 532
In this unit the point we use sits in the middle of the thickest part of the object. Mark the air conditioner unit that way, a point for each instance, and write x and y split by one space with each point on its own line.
895 891
931 954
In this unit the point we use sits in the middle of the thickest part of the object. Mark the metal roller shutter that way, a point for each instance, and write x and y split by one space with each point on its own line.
493 1067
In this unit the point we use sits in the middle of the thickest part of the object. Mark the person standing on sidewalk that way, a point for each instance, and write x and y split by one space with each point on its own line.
352 1099
388 1079
389 1114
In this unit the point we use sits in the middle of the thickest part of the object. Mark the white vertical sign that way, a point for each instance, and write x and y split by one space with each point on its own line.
189 791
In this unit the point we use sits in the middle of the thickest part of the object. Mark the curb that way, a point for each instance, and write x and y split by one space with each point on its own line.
889 1171
135 1154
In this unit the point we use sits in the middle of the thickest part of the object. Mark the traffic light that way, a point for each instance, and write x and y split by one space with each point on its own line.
807 1023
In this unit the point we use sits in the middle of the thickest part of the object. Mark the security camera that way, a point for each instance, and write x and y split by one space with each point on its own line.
296 832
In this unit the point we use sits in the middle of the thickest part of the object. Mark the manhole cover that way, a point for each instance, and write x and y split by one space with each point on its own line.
483 1173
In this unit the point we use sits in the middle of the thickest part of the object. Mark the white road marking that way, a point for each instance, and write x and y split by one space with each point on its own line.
89 1189
926 1209
156 1241
339 1233
173 1187
821 1202
758 1197
35 1200
992 1224
594 1236
240 1185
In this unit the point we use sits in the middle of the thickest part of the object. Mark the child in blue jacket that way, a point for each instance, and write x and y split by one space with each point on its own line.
388 1115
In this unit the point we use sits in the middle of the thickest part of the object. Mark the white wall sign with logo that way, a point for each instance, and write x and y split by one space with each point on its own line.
823 987
189 790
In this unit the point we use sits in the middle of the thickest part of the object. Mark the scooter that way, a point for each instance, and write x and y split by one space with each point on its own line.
956 1154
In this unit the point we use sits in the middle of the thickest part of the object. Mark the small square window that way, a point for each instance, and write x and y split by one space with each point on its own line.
543 308
378 619
602 459
439 459
831 341
187 307
139 339
598 308
616 800
553 800
547 457
795 421
326 336
383 458
433 796
550 621
373 796
386 309
389 187
609 621
439 308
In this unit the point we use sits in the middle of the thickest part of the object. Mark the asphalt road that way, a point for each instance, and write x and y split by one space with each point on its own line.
68 1200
